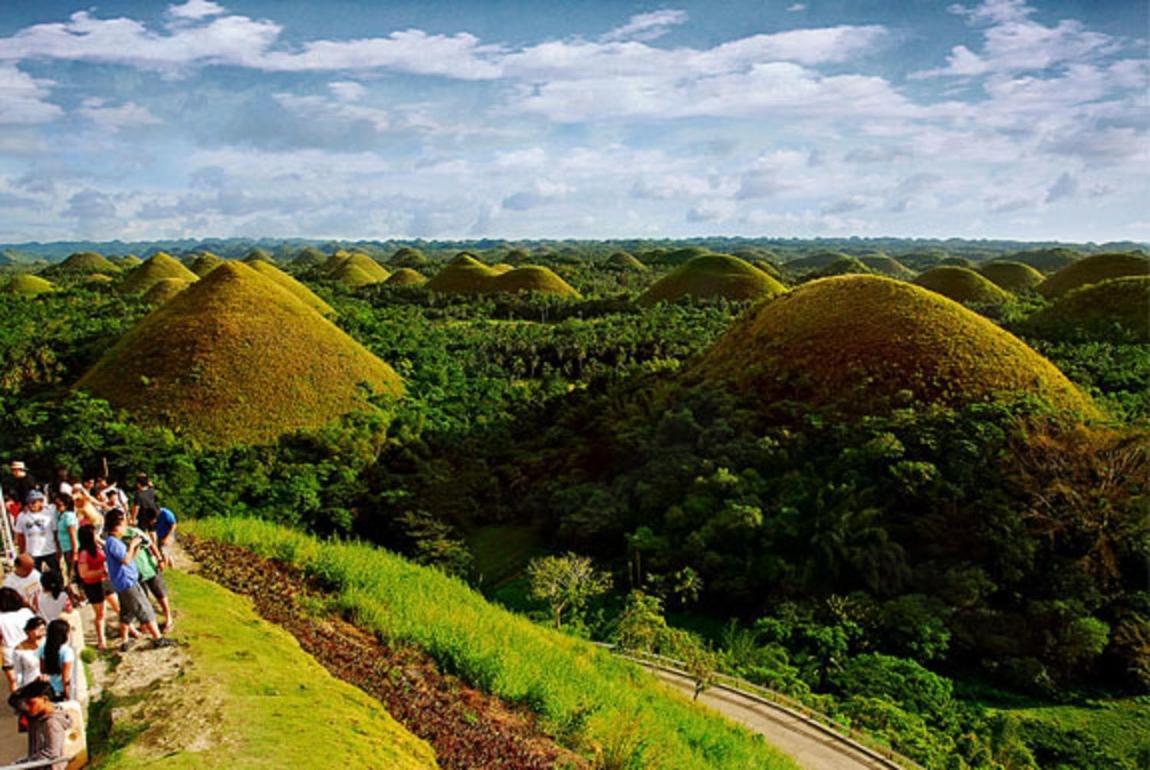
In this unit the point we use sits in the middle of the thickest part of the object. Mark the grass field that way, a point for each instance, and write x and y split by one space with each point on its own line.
602 706
249 697
1119 727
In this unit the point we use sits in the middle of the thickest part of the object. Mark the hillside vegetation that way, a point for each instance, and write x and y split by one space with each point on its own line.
1116 309
712 276
1094 269
863 344
159 267
593 699
961 284
207 365
249 698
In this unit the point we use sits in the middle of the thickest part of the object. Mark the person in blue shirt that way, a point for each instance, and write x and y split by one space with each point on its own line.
166 534
125 579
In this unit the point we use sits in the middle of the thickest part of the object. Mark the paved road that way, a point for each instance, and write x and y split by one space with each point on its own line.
810 747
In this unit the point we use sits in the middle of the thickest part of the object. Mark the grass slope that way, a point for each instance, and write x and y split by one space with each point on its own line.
406 276
1046 260
235 359
846 265
865 344
530 278
462 275
158 268
28 285
1117 310
1093 269
301 292
623 261
962 285
559 676
270 704
358 269
888 266
1012 276
205 263
712 276
82 263
164 290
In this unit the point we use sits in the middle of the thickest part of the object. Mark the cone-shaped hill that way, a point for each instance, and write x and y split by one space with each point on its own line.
462 275
408 257
712 276
962 285
846 265
126 262
816 261
405 276
1117 310
881 264
624 262
861 344
306 295
1046 260
1093 269
236 358
164 290
28 285
358 269
502 267
1012 276
205 263
531 278
82 263
159 267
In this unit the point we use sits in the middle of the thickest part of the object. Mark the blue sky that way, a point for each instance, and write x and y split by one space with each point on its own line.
359 119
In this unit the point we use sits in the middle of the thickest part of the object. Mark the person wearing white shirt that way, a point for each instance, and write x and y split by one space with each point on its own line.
36 532
25 580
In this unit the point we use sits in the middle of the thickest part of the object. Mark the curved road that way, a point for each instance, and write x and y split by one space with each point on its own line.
810 747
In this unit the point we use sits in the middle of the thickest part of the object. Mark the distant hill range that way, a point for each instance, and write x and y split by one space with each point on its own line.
976 250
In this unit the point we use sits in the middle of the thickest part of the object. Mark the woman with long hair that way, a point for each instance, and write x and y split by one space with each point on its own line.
58 660
90 566
14 615
87 510
26 655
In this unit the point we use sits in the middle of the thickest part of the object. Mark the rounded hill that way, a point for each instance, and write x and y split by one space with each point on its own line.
405 276
406 256
866 344
962 285
816 261
157 268
712 276
1046 260
531 278
1093 269
127 261
462 275
83 263
1116 310
888 266
845 265
237 359
285 281
623 261
28 285
358 269
164 290
205 263
1012 276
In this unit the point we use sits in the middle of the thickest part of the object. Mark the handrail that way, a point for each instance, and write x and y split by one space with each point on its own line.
856 739
39 764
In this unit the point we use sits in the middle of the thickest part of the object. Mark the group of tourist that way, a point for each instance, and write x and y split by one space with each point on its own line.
76 542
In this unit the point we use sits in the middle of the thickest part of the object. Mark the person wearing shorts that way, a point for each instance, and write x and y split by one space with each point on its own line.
121 563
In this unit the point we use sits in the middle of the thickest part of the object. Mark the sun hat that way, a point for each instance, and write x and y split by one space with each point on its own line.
33 496
17 465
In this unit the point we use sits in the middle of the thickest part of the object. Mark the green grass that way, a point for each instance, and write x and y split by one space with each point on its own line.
158 268
501 554
962 285
578 689
1120 726
1093 269
272 705
712 276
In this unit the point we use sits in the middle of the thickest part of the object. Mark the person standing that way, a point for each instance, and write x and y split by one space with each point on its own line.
48 725
166 535
91 569
58 660
62 484
25 580
150 565
145 497
36 532
134 604
21 484
67 535
14 617
26 655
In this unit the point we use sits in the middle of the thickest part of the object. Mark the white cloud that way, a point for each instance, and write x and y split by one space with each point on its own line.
347 90
23 98
796 7
1066 186
647 26
542 192
712 211
1013 42
196 9
334 111
115 118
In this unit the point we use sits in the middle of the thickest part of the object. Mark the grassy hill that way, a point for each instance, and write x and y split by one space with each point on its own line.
961 284
1094 269
558 676
623 261
462 275
888 266
164 290
1117 309
236 359
530 278
863 344
712 276
248 697
1046 260
82 263
205 263
358 269
406 276
28 285
159 267
1012 276
285 281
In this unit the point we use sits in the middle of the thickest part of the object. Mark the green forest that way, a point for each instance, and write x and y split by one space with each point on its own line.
904 485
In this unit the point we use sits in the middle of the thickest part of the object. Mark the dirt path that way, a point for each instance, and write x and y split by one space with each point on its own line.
807 745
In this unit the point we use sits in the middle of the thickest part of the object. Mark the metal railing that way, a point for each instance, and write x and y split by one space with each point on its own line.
40 763
856 740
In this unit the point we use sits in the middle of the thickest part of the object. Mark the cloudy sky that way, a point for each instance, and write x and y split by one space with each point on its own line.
586 118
